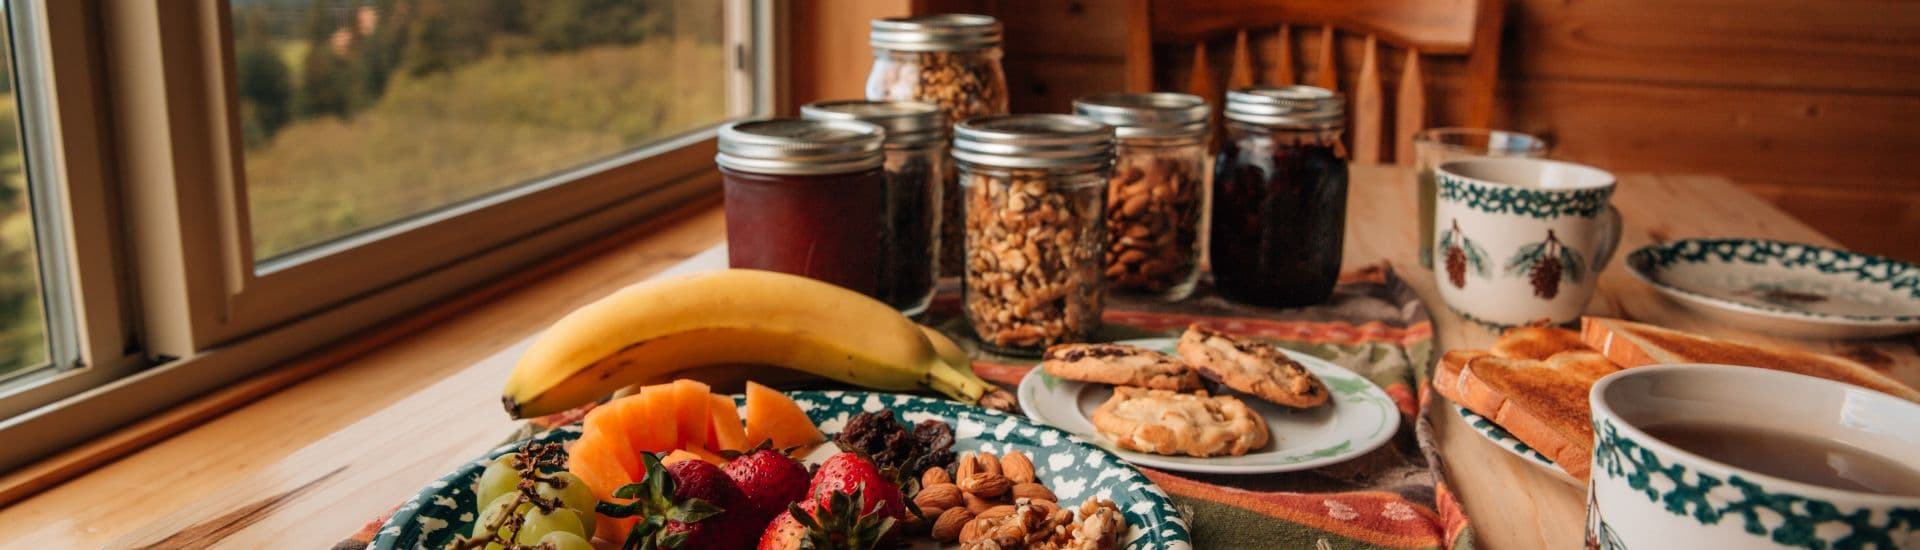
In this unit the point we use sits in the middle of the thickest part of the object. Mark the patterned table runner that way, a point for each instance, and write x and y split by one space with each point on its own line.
1393 497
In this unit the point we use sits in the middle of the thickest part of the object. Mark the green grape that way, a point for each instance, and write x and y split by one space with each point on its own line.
491 513
534 525
500 478
576 496
540 524
561 540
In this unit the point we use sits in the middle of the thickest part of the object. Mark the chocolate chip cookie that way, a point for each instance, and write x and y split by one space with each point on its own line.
1170 423
1253 367
1120 365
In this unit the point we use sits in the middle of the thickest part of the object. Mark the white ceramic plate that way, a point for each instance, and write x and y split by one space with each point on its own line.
1785 288
1507 442
1358 419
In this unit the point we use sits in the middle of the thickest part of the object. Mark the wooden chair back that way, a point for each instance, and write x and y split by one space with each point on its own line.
1469 28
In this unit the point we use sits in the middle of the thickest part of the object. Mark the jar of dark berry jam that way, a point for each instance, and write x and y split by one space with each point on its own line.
806 197
1280 196
917 170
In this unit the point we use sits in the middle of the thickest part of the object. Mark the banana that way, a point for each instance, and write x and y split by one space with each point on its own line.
723 319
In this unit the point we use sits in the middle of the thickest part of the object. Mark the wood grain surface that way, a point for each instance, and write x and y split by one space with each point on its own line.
312 463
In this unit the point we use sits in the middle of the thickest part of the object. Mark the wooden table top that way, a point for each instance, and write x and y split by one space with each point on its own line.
313 462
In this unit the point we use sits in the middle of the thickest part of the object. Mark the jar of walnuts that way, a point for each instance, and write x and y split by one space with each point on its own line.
1034 189
1157 195
949 60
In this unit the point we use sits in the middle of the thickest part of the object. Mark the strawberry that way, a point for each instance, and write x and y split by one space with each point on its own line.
682 506
849 473
732 528
832 522
769 479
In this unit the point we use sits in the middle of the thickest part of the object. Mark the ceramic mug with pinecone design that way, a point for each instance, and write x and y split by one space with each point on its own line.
1520 240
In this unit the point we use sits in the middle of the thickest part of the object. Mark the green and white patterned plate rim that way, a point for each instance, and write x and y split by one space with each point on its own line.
1359 418
1073 468
1507 442
1785 282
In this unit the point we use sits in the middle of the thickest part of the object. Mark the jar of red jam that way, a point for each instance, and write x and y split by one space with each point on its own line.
1033 192
917 169
1280 196
806 197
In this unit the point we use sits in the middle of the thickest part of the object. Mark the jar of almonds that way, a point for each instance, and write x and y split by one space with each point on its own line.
949 60
1034 188
1157 195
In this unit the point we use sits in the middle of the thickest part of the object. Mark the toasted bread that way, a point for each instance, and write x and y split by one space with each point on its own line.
1542 403
1631 344
1533 382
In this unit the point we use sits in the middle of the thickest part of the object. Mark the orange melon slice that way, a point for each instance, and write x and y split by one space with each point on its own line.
679 455
642 415
724 432
596 459
690 416
772 416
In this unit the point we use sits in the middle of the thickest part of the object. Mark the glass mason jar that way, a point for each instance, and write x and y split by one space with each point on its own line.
949 60
917 167
1034 187
806 197
1280 196
1157 195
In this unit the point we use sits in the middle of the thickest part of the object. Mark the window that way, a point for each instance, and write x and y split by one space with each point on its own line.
195 191
23 315
357 114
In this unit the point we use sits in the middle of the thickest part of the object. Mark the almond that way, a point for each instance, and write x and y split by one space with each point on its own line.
970 531
1028 490
1017 467
977 504
948 525
965 466
986 484
988 463
1000 511
935 476
945 495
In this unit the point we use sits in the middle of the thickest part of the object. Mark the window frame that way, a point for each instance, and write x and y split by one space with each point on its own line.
169 301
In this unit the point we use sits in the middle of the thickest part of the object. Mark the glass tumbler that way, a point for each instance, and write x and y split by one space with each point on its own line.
1437 145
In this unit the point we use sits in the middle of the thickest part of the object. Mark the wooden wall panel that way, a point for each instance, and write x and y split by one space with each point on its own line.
828 55
1813 104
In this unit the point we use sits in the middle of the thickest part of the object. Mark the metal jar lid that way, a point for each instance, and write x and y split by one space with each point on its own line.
800 147
935 33
1034 141
908 123
1288 106
1147 114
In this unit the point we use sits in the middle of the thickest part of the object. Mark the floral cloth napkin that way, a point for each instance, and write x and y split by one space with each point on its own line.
1393 497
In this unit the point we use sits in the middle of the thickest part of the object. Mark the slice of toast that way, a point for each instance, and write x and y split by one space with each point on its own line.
1542 403
1533 382
1631 344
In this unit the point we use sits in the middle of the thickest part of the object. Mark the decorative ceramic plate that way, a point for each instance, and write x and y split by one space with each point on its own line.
1507 442
1785 288
1358 419
1073 468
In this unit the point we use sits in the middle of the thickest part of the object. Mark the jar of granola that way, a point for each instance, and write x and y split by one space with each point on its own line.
917 166
1034 189
949 60
1157 195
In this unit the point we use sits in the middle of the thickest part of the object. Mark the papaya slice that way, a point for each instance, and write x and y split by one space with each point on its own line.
642 414
773 416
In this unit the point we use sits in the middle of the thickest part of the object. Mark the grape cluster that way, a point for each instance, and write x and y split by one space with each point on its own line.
528 507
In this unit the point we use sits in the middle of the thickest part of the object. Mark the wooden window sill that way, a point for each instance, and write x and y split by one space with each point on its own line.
414 374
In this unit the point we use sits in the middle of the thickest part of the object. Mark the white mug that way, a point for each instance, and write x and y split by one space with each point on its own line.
1519 240
1649 494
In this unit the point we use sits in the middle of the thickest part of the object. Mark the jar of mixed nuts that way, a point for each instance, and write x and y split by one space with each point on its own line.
1034 187
917 167
805 197
1157 195
1280 196
949 60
